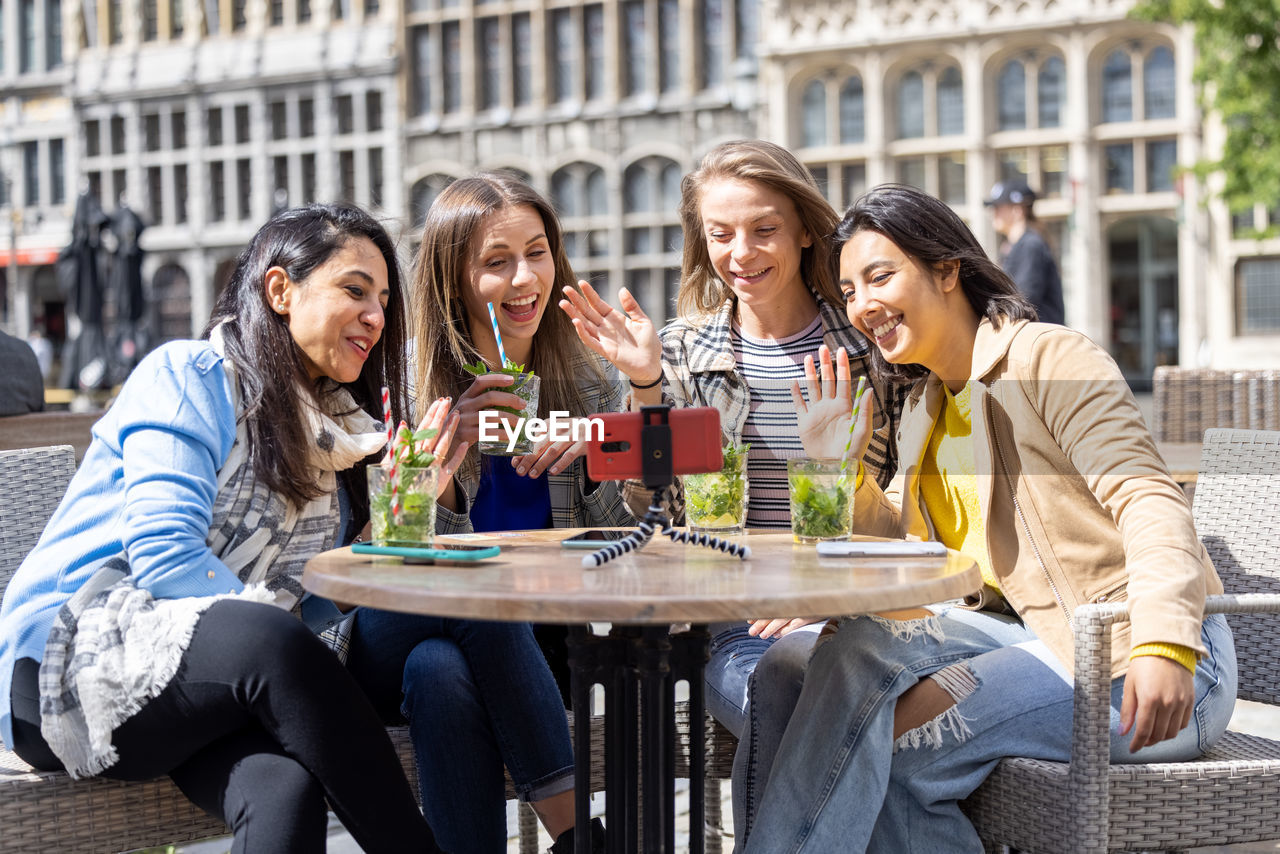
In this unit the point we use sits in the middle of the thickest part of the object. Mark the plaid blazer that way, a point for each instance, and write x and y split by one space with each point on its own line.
575 503
699 369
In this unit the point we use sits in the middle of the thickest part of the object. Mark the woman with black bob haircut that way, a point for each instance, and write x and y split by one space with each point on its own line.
149 632
1022 447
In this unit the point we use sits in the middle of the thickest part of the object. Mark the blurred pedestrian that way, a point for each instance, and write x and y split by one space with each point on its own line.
43 348
21 384
1024 253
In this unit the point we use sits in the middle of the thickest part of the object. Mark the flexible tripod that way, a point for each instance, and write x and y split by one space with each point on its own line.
657 474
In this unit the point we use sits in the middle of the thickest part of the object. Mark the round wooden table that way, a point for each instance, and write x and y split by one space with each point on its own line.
536 579
642 594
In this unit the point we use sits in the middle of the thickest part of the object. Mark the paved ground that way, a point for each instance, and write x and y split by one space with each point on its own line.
1249 717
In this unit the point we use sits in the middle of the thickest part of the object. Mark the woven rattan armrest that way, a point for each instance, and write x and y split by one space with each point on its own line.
1091 723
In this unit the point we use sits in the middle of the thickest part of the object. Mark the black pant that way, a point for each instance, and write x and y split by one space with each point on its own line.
260 725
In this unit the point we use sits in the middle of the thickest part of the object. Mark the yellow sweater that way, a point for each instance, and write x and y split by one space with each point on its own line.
949 489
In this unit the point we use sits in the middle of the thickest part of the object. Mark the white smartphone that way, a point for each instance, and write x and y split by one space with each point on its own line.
594 539
842 548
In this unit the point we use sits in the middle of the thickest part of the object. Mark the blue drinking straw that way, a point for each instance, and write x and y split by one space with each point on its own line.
502 354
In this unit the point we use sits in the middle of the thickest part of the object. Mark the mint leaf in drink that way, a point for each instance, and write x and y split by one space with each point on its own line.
716 500
819 512
510 369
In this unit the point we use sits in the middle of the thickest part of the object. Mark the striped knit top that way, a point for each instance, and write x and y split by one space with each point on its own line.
769 367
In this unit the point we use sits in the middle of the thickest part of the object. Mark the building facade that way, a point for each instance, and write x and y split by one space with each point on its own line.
205 115
36 157
601 106
1096 111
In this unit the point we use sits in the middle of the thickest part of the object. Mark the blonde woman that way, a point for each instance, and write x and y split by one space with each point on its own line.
757 299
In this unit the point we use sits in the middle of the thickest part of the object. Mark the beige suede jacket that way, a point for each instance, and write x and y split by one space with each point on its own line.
1077 504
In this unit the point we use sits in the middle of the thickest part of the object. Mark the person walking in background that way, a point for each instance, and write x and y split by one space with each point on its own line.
1025 253
21 382
43 348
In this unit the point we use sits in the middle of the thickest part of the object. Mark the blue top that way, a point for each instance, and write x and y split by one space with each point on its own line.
506 501
146 487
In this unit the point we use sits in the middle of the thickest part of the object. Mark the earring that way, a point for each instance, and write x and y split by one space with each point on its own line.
280 307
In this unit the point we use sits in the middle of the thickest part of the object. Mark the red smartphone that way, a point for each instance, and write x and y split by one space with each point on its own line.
695 443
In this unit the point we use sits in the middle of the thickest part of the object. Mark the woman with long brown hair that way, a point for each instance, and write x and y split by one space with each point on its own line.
479 695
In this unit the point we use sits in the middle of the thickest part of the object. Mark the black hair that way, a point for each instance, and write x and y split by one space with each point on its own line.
270 365
930 231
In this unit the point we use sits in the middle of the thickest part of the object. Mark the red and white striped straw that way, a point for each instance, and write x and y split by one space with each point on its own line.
386 420
396 448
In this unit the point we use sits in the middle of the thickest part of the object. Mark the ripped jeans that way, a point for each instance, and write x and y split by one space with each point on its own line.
838 782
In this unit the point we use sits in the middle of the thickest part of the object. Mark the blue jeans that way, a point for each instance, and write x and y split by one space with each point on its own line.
478 697
753 685
840 782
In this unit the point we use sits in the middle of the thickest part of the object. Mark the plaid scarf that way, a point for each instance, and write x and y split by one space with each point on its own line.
113 646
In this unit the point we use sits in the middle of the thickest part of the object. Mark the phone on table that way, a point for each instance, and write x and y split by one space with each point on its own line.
593 539
845 548
695 444
417 553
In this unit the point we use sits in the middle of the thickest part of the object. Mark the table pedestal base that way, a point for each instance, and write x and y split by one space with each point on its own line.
638 668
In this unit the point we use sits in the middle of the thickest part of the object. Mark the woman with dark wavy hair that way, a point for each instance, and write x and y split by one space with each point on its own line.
1023 449
150 631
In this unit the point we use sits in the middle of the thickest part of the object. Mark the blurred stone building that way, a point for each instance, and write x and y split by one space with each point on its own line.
603 106
209 115
37 156
206 114
1094 110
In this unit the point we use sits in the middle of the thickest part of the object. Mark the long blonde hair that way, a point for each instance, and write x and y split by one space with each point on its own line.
440 274
702 291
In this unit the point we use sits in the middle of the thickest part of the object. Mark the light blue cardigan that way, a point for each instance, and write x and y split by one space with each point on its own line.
146 487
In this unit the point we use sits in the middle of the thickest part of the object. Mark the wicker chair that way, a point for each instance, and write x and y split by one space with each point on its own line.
1188 401
1230 794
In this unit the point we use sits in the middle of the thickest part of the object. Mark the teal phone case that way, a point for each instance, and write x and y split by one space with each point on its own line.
417 553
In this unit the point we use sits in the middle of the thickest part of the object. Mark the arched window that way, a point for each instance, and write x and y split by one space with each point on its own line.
813 114
1011 96
652 185
637 189
597 192
1158 84
852 118
422 195
671 177
1117 88
580 194
950 102
911 106
563 195
1050 87
651 232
